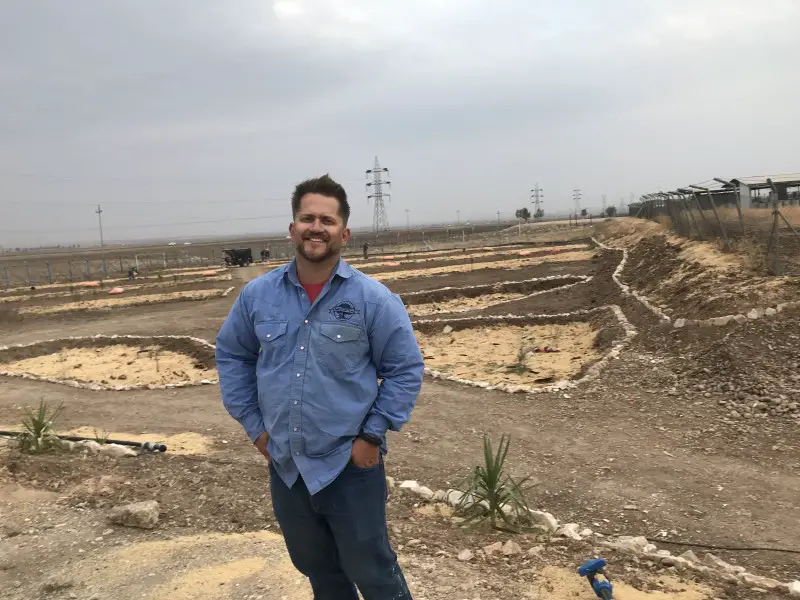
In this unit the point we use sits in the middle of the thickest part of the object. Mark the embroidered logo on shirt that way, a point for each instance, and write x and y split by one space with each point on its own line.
344 311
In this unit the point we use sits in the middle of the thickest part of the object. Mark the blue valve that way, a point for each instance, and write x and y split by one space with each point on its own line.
594 570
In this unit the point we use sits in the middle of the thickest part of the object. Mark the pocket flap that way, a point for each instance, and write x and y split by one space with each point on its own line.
340 333
268 331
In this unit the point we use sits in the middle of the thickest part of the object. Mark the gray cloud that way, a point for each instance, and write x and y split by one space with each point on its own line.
148 108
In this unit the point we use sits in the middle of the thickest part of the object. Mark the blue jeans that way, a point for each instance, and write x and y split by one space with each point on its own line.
338 537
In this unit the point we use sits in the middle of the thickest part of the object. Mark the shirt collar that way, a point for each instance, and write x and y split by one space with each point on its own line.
342 269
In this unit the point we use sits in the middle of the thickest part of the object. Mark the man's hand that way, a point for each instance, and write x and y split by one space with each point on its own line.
365 455
261 444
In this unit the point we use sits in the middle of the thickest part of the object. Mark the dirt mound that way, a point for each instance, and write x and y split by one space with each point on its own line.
688 278
756 367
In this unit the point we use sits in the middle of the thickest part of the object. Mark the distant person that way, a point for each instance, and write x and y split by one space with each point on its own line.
299 357
365 248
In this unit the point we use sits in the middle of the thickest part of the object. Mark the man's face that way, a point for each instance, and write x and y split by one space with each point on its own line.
318 231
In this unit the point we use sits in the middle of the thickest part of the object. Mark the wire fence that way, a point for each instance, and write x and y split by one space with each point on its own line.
768 237
37 269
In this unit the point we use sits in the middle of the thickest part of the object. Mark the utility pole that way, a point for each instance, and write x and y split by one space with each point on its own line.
408 221
603 214
380 221
99 212
458 217
498 216
536 198
576 196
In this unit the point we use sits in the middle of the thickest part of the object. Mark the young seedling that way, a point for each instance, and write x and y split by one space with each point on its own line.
101 437
520 365
38 429
491 494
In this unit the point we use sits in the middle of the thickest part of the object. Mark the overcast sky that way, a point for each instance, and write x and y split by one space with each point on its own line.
174 112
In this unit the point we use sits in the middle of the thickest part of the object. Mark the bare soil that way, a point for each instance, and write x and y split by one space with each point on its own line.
460 304
654 432
513 354
131 364
111 303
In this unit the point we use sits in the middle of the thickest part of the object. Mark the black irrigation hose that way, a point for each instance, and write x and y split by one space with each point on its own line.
713 546
150 446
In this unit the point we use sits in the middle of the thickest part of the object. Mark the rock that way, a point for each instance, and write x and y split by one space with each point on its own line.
535 551
770 312
585 532
454 498
674 561
440 496
117 451
465 555
544 520
753 314
628 543
690 556
510 548
389 482
423 492
409 485
569 530
447 329
794 589
721 321
492 549
679 323
650 549
740 319
139 514
91 446
757 581
717 563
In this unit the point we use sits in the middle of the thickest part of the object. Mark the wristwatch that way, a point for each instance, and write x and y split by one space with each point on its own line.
372 439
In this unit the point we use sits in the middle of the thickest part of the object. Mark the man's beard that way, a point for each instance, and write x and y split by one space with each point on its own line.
329 252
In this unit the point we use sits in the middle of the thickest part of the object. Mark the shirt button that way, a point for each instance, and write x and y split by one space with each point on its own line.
306 321
338 337
297 454
298 374
269 335
302 347
295 428
295 401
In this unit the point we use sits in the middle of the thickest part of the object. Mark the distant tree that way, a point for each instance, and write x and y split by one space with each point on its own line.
524 213
611 211
538 214
584 213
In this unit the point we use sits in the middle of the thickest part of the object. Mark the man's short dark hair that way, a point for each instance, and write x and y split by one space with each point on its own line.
325 186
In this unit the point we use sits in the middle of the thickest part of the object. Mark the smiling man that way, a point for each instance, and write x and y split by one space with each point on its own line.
299 359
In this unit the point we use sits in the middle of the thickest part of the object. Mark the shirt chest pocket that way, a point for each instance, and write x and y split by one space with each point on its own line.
341 347
272 337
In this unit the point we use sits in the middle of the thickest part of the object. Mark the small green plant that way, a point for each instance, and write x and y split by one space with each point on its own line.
101 437
520 365
38 433
490 494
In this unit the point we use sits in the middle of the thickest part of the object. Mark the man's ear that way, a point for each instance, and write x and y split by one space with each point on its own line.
346 235
291 229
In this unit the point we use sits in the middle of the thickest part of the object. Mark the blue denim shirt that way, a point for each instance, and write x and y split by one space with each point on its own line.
308 374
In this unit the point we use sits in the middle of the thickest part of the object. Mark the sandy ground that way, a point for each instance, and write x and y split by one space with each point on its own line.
129 365
489 353
97 291
504 264
399 260
121 301
460 304
560 584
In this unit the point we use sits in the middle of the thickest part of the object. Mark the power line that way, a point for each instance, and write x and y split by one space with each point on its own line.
576 196
537 196
380 222
137 202
99 212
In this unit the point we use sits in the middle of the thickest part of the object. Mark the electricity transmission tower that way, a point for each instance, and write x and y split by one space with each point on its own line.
576 196
380 222
603 214
99 212
536 198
